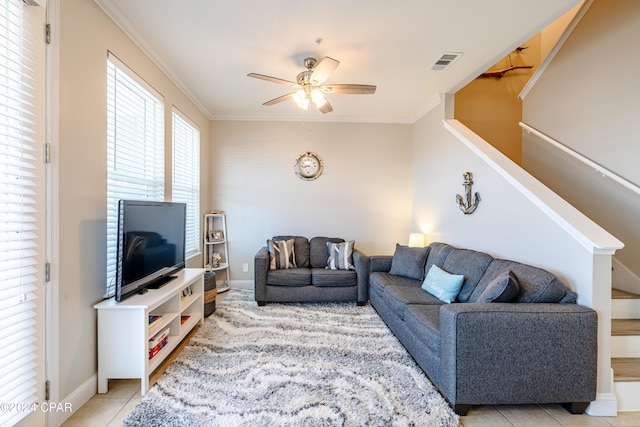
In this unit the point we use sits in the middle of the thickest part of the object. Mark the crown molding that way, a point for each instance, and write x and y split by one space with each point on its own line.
428 106
313 118
139 40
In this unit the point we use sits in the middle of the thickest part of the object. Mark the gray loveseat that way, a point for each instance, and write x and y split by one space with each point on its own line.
540 347
311 281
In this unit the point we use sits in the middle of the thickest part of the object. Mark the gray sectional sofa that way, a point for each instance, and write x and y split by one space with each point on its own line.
311 280
539 347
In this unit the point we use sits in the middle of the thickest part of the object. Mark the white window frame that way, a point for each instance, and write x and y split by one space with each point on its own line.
135 148
186 176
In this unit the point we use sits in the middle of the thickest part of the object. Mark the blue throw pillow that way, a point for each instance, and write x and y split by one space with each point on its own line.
442 285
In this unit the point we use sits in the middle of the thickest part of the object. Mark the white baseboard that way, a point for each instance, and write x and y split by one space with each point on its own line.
605 405
79 397
241 284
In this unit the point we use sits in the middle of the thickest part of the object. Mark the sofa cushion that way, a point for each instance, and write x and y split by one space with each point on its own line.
504 288
378 280
409 262
322 277
289 277
424 322
319 254
442 285
471 264
340 255
397 297
281 254
300 246
438 253
536 284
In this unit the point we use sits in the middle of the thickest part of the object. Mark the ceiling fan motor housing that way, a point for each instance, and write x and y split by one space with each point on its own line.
309 63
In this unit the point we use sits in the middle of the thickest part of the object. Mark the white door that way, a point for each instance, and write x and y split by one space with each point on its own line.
22 213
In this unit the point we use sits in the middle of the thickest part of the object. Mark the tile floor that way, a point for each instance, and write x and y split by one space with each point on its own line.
110 409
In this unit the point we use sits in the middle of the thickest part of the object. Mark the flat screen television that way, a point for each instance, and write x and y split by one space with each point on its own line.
151 242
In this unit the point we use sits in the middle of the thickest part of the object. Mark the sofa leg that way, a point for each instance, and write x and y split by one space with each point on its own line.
361 303
575 407
461 410
261 303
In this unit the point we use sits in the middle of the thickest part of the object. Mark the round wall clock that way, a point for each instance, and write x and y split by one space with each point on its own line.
308 166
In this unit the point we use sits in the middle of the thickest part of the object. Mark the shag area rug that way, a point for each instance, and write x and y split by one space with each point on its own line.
321 364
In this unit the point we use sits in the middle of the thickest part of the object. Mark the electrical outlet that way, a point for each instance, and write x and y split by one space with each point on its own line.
245 267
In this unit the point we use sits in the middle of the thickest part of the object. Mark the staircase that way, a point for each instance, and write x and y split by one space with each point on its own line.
625 349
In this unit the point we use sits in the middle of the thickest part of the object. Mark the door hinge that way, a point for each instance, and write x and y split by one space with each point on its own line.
47 153
47 34
47 272
47 390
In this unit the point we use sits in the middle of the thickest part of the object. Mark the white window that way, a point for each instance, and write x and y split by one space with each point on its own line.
22 206
135 144
186 176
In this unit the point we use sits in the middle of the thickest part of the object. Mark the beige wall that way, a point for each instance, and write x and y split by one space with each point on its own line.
364 193
587 99
490 106
80 158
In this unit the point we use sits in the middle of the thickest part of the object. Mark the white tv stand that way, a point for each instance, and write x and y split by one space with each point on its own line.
124 330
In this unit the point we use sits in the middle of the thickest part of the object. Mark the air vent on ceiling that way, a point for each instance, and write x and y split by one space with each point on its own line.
445 60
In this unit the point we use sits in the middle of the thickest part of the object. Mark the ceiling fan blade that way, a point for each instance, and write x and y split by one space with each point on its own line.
349 89
279 99
273 79
326 107
323 70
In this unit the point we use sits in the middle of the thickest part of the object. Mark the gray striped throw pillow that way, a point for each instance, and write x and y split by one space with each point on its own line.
340 256
281 254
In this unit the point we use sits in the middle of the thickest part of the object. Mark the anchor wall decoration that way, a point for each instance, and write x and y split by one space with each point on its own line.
466 206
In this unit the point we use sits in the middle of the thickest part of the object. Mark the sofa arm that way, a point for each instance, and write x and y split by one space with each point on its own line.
260 269
361 265
380 263
506 353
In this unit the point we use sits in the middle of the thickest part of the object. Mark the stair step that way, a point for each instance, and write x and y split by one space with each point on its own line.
618 294
626 368
625 327
627 393
624 305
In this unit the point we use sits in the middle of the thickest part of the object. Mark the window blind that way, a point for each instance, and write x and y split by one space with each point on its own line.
186 176
135 148
22 221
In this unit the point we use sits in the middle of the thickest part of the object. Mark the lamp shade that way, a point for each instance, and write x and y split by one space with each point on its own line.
416 240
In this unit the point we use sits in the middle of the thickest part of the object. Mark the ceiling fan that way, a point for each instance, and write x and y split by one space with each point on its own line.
311 87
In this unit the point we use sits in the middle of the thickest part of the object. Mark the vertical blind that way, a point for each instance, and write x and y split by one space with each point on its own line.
21 205
186 176
135 148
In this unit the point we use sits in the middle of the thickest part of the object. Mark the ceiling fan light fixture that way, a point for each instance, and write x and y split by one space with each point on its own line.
311 85
318 97
301 98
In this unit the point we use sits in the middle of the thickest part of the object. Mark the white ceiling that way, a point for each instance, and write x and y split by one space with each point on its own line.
209 46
